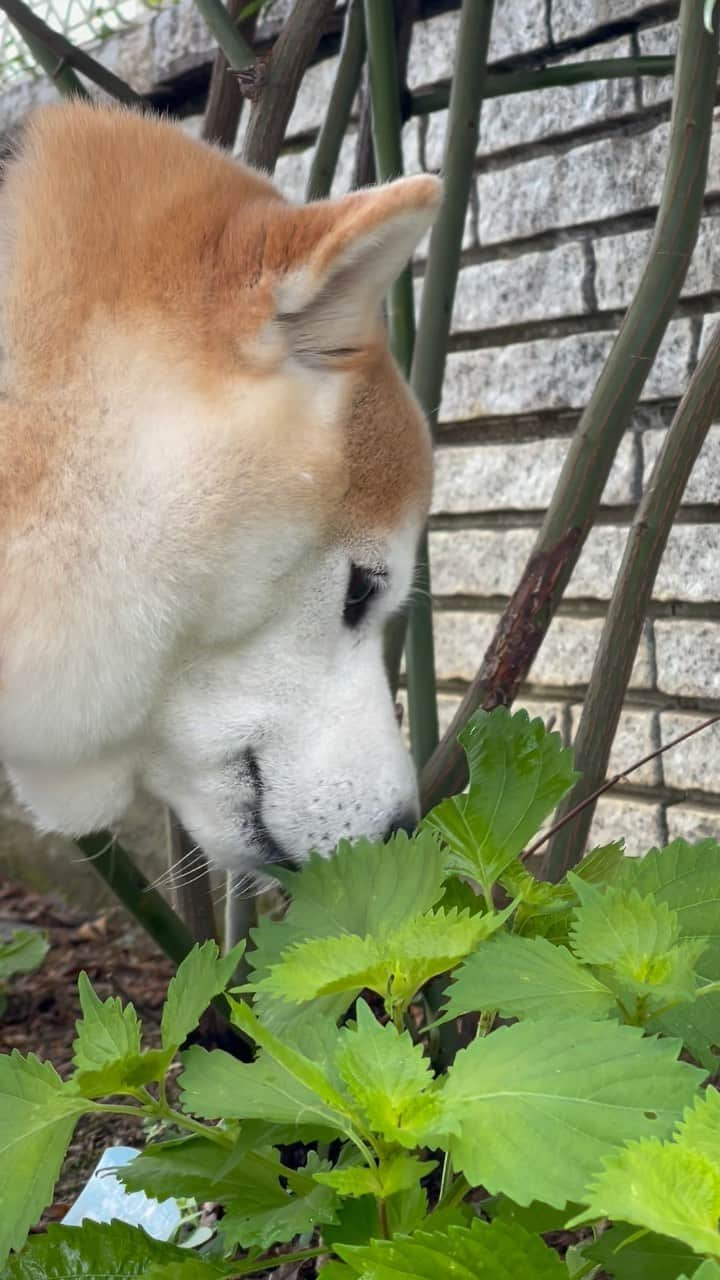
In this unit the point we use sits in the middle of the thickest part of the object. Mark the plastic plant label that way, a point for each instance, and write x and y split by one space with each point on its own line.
103 1198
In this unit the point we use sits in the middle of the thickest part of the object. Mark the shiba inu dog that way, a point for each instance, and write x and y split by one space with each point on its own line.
213 478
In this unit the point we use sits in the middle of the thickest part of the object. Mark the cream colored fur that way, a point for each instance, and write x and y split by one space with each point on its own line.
201 430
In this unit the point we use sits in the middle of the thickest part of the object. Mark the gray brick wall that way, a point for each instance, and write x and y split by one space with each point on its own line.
558 226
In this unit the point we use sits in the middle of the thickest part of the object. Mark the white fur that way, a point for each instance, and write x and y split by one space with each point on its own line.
160 659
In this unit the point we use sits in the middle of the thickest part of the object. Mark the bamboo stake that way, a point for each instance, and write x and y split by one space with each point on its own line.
575 502
631 596
337 114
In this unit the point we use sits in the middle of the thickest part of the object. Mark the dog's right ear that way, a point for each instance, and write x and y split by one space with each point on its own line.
349 252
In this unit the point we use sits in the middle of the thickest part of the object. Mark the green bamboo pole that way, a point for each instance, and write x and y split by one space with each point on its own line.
500 84
631 596
134 890
29 24
428 367
577 495
238 52
337 113
387 145
55 68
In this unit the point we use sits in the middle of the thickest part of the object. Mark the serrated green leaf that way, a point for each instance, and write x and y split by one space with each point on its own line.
602 864
22 953
200 1169
395 966
38 1115
662 1186
493 1251
99 1251
518 773
634 941
697 1024
532 1109
625 1254
524 978
461 895
364 889
216 1086
125 1073
268 1214
387 1075
202 975
687 878
699 1129
106 1032
610 923
536 1217
397 1173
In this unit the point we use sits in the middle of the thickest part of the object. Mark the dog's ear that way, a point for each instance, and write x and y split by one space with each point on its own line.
329 301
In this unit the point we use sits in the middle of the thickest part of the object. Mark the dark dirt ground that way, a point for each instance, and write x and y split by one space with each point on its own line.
43 1006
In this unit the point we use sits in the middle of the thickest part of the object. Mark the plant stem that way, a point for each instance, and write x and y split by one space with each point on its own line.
445 1176
277 85
577 495
499 84
485 1023
337 113
238 52
29 24
383 1219
631 596
136 893
268 1264
213 1134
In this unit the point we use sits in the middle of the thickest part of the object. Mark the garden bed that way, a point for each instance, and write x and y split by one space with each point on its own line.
43 1006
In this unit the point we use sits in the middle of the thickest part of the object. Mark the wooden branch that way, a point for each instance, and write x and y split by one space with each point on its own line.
29 24
516 641
275 91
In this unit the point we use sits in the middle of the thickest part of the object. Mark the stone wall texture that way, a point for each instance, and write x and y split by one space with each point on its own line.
564 194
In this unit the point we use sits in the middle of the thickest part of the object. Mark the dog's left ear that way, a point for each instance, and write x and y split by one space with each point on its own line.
330 301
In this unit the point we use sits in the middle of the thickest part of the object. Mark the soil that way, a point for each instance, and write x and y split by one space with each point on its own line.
43 1007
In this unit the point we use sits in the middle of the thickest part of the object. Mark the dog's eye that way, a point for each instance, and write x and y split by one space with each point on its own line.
361 588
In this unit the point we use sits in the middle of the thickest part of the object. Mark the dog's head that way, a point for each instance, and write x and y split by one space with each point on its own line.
240 480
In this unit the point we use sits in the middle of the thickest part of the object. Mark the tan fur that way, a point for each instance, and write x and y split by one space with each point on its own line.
154 230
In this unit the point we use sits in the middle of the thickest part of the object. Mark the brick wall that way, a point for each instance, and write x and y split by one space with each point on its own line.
558 226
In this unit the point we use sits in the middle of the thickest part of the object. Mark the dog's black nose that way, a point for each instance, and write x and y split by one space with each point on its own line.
406 821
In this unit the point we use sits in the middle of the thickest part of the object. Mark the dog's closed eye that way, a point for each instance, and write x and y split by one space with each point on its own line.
363 584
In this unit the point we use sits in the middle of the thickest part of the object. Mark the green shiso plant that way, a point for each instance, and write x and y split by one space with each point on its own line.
564 1080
